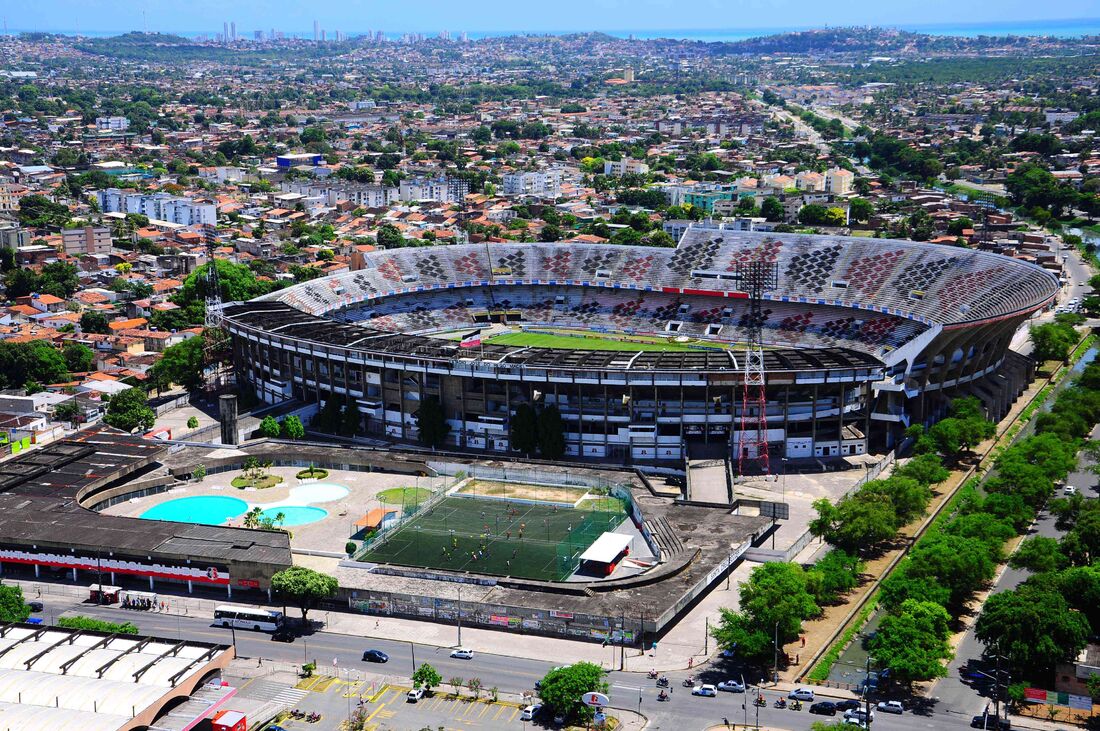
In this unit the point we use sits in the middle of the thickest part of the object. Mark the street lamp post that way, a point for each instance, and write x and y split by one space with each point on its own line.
460 614
775 667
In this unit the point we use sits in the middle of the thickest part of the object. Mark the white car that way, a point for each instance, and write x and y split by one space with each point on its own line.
414 695
706 690
530 712
801 694
854 722
731 686
1069 490
463 654
859 715
891 707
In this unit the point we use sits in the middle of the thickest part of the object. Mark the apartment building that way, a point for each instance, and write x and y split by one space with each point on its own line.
367 195
839 181
618 168
159 206
542 183
443 189
112 124
9 196
86 240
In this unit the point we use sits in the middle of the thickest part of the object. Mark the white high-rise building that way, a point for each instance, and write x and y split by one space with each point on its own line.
159 206
316 31
540 183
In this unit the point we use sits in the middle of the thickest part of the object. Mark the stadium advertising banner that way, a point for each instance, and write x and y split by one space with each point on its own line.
202 575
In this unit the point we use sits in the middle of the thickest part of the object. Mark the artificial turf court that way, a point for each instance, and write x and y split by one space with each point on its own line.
498 537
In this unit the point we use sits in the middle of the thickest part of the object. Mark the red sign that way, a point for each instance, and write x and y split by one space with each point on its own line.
248 583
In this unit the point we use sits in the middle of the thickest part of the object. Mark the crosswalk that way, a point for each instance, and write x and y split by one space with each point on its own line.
265 690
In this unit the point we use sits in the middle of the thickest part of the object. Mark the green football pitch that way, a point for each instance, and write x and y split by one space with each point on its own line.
498 537
587 342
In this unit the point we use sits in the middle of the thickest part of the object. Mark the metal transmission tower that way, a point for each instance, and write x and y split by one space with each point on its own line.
756 277
215 337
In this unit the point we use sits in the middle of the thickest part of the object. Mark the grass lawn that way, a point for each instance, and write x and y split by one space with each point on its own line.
591 342
312 473
260 483
404 495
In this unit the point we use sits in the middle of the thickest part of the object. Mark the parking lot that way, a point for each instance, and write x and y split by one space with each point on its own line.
391 710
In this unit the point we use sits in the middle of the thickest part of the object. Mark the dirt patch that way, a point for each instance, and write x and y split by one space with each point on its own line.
519 491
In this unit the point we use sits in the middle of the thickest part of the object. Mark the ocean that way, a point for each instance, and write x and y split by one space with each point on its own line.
1072 28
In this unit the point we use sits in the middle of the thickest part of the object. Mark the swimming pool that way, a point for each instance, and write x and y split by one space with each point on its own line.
205 509
318 492
296 514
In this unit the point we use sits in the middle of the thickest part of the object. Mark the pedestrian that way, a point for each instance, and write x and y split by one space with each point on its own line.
691 662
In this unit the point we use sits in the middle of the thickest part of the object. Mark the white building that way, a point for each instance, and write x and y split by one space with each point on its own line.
112 124
161 206
540 183
625 166
441 190
838 181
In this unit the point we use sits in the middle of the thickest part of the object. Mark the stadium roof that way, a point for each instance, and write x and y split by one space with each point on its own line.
57 679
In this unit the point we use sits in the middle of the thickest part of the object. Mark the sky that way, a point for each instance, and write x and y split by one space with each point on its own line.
520 15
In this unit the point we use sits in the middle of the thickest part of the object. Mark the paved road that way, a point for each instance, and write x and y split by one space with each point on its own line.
510 674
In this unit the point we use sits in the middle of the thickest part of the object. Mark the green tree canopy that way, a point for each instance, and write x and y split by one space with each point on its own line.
913 641
551 433
78 358
269 427
562 688
129 410
13 608
93 322
523 429
36 360
182 364
431 423
426 677
1034 629
293 428
303 587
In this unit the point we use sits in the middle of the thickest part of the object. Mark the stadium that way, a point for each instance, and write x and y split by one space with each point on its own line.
642 349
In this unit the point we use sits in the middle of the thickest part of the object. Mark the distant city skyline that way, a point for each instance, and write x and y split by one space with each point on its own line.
496 16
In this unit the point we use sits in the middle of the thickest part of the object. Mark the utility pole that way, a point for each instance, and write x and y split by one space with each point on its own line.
460 614
412 648
775 668
622 642
867 693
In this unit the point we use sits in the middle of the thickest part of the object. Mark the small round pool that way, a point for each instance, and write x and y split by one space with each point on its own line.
205 509
319 492
296 514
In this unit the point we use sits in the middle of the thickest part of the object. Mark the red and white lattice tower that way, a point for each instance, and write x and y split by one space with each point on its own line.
756 277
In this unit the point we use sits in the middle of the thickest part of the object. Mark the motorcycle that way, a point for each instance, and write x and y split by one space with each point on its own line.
662 696
781 703
759 702
652 674
795 705
689 681
662 683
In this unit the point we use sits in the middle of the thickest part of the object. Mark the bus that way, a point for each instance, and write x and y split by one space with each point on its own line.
261 620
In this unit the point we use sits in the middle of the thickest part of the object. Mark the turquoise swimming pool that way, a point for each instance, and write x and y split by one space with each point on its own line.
208 510
296 514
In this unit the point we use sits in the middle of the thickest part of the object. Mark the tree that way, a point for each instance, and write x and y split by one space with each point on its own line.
913 642
37 211
926 469
1033 629
1038 554
292 427
426 677
523 429
13 608
59 278
813 214
269 427
1052 341
304 587
70 411
93 322
902 585
776 593
551 433
350 419
958 225
78 358
959 564
431 423
857 523
193 422
737 632
772 209
908 497
860 209
563 687
389 236
36 361
550 232
834 574
129 410
182 364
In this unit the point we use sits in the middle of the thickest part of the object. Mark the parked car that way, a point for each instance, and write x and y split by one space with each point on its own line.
462 654
283 634
705 690
1069 490
854 722
375 656
732 686
985 721
414 695
35 606
823 708
860 715
891 707
849 704
801 694
530 712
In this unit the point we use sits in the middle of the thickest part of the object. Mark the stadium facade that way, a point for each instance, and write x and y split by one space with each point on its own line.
863 336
